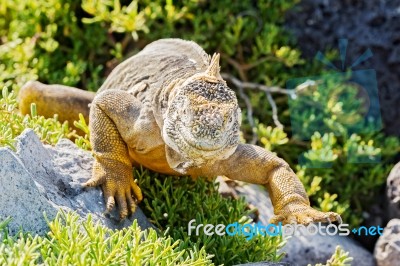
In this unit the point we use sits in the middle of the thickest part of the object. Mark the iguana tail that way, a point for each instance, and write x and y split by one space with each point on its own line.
65 101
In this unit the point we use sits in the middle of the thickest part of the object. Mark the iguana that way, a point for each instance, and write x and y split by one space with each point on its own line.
168 109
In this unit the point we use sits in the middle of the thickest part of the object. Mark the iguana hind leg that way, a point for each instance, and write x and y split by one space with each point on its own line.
66 102
254 164
113 167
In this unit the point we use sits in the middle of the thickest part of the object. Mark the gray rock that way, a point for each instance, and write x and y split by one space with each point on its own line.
304 250
393 192
387 249
224 189
21 197
258 197
301 250
41 178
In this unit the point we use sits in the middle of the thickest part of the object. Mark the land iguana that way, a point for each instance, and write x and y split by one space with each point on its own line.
168 109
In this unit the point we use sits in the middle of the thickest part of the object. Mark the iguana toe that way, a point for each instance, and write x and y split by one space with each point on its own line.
94 182
123 196
131 204
300 213
119 188
137 192
123 206
110 203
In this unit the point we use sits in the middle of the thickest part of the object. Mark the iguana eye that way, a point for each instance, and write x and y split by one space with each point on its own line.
217 133
230 119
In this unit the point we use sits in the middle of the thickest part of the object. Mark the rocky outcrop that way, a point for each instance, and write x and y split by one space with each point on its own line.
387 249
40 178
304 250
393 192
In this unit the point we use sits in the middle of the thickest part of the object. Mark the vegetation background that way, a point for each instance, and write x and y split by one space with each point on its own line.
78 43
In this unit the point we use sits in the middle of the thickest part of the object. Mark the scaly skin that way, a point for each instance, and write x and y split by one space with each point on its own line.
167 108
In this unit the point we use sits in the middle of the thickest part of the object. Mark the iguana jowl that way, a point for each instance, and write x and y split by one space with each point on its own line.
167 108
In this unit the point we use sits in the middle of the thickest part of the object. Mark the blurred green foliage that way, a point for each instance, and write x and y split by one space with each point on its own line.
47 40
12 123
77 43
49 130
347 162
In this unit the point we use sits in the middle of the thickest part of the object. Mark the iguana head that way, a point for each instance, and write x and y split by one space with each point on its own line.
202 120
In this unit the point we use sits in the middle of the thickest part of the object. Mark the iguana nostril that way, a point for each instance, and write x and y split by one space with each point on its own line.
196 129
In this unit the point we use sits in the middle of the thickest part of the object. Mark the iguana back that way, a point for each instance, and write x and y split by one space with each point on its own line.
157 64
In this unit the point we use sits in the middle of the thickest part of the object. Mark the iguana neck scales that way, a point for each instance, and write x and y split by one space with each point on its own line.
167 108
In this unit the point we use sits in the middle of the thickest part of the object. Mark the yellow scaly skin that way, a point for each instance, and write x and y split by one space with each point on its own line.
167 108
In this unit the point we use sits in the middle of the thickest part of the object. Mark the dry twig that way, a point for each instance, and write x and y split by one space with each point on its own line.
241 85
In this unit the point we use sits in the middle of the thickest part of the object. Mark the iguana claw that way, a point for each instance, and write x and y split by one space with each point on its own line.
122 189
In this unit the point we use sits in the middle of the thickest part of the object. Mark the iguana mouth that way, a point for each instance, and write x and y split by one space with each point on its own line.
207 145
177 137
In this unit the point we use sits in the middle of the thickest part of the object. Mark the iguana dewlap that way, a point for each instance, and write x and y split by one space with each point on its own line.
167 108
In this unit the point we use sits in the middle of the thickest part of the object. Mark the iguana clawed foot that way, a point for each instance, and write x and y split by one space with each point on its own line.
120 189
301 213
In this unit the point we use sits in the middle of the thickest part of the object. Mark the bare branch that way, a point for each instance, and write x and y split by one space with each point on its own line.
255 86
241 85
249 108
268 90
274 110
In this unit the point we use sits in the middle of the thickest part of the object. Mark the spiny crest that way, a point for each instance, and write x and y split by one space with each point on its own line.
214 68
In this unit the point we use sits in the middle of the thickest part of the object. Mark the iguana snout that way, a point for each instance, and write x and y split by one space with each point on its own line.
208 126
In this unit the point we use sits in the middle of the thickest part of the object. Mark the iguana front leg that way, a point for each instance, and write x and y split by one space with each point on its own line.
113 168
254 164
